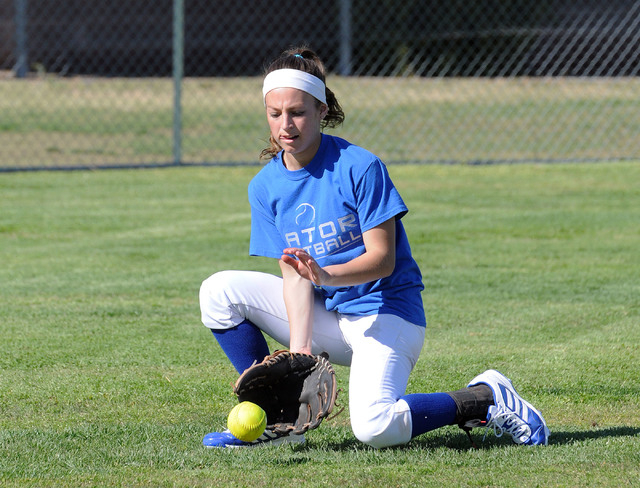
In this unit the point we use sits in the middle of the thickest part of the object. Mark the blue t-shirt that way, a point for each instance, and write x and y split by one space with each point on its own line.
324 208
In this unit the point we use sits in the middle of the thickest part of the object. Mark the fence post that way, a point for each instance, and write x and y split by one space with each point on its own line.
21 66
345 38
178 71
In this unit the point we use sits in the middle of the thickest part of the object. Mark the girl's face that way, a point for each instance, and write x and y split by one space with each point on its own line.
294 119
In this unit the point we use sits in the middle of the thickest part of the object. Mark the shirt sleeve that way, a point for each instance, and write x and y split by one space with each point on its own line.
265 239
377 198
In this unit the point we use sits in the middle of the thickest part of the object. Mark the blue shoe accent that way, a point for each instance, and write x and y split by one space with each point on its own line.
227 439
512 414
222 439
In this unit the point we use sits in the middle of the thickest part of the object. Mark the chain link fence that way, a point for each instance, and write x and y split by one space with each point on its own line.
87 83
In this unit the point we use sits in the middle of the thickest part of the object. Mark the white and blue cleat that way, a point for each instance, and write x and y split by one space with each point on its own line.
511 414
227 439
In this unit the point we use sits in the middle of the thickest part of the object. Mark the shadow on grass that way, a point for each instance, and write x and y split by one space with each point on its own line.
560 437
460 441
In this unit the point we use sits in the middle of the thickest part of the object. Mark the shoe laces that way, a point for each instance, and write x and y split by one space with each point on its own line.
268 436
505 421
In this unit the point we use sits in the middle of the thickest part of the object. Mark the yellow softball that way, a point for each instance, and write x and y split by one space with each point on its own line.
247 421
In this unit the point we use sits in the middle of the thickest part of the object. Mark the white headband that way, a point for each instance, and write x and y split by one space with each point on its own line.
294 78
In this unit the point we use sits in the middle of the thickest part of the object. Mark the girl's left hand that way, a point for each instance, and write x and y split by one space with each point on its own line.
305 265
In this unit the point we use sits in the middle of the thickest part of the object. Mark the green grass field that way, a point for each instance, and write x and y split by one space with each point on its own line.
54 121
107 377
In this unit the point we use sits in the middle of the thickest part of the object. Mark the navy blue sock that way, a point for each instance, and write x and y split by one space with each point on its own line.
243 344
430 411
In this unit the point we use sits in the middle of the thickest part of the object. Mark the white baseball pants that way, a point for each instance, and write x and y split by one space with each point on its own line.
381 350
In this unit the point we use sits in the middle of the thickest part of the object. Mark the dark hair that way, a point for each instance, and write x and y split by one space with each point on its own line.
304 59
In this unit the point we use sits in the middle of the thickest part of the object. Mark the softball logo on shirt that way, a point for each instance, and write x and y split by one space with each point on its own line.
305 214
325 238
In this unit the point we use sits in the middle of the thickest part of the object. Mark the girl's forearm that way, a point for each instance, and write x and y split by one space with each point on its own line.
298 299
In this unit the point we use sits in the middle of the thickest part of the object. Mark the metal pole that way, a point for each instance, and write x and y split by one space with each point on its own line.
178 71
345 38
21 66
